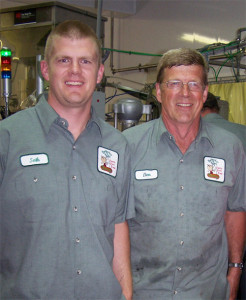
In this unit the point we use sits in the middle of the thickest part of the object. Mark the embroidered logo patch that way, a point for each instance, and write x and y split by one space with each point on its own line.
107 161
214 169
34 159
146 174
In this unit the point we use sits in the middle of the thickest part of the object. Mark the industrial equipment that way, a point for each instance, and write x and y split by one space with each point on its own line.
24 30
129 111
6 76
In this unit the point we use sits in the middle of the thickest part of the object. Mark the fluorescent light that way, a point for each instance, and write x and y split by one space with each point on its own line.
194 37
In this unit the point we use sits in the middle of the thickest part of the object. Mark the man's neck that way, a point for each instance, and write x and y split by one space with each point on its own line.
184 134
77 117
77 124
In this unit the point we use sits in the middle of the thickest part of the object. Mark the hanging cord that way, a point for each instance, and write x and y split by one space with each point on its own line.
230 56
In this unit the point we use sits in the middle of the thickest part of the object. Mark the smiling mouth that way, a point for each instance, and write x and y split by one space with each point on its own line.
74 83
184 104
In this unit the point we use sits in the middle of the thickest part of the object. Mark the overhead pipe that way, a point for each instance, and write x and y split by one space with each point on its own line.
223 56
213 59
136 68
99 18
227 64
148 66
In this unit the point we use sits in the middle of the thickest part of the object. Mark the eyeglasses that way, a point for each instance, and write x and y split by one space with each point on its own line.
177 85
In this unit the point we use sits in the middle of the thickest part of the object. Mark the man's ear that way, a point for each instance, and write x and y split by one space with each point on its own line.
100 73
205 94
44 69
158 92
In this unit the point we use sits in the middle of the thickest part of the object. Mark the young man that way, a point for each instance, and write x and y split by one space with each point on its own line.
179 239
63 217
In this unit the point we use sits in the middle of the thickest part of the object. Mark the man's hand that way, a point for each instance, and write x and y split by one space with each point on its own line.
233 278
121 261
236 231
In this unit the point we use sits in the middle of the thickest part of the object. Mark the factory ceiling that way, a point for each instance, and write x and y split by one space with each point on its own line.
117 7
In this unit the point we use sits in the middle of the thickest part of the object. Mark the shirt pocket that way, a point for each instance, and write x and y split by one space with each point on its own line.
208 204
102 202
150 202
36 191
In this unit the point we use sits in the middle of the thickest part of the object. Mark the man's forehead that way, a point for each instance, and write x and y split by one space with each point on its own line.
184 70
70 49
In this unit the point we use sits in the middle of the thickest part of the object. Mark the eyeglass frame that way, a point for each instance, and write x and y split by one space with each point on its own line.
200 85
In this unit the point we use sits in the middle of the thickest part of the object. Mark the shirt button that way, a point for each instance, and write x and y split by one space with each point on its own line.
181 187
181 214
79 272
74 177
175 292
77 240
179 268
35 179
74 147
181 161
181 243
63 122
75 208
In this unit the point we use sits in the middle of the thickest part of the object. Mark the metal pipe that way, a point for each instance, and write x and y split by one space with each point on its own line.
222 56
239 31
116 120
143 67
99 18
39 78
139 67
211 57
227 64
112 42
6 94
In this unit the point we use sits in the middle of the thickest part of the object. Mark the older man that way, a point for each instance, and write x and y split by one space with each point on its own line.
190 192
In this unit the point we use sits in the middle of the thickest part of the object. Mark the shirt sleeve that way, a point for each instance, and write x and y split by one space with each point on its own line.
125 207
237 195
4 142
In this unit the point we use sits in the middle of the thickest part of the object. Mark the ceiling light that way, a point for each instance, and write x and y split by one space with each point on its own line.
194 37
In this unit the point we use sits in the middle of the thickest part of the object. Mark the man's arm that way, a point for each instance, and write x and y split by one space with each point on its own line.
236 234
121 261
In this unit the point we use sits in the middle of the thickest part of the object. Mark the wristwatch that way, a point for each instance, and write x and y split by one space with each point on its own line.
236 265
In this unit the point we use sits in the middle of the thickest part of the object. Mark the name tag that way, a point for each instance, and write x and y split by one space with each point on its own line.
146 174
34 159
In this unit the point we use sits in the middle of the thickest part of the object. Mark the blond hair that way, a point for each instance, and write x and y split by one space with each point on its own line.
72 29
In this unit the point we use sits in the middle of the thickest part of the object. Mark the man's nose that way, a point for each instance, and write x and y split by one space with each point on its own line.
185 89
75 67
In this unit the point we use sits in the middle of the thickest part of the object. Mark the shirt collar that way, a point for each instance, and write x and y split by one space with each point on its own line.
94 121
203 132
159 130
48 115
212 116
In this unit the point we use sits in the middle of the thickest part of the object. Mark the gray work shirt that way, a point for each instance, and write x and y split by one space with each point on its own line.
178 238
59 206
238 129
